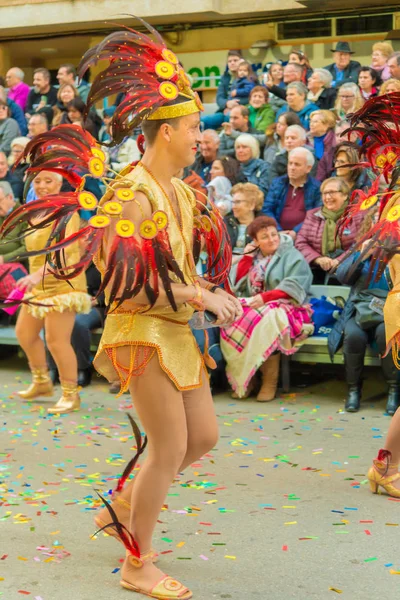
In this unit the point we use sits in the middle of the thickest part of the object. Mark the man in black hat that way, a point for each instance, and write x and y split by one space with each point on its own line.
343 70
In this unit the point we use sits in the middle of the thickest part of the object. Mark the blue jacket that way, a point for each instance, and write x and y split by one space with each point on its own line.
257 171
243 87
350 73
274 203
224 88
303 114
18 115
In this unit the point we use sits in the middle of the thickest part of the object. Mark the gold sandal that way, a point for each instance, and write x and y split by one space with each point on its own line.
166 589
377 479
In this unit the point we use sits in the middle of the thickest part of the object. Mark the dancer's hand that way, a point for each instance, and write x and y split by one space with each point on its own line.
234 300
222 306
27 283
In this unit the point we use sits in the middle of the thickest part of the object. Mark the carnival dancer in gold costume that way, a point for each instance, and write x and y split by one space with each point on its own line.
145 239
377 125
56 304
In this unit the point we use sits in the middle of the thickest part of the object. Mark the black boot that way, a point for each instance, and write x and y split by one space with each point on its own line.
393 401
84 377
353 398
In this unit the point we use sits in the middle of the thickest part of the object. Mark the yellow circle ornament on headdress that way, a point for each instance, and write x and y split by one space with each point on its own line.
368 202
125 228
168 90
160 218
96 167
98 153
206 223
87 200
170 56
148 229
125 194
112 208
99 221
164 69
393 214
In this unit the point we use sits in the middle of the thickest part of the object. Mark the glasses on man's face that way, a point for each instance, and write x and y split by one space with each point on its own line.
330 193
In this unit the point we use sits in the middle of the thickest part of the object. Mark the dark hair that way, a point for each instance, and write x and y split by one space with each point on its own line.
69 68
352 152
92 122
44 72
291 118
235 53
374 74
244 111
76 103
151 128
231 168
258 224
262 89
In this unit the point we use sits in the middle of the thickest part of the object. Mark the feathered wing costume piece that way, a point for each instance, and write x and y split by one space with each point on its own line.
124 534
140 448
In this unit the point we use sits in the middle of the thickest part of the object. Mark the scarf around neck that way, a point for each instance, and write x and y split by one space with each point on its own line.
331 242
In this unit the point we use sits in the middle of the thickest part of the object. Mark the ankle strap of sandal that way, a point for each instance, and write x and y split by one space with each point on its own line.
139 562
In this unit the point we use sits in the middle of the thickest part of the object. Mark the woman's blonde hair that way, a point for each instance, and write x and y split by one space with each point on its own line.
63 86
357 103
327 117
342 185
248 140
385 47
386 84
252 193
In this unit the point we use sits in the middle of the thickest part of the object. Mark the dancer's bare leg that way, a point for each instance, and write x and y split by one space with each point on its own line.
28 330
392 444
58 327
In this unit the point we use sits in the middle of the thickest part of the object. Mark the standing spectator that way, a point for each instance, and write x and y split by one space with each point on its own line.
381 52
226 166
43 94
343 70
8 128
66 93
244 82
261 113
224 87
247 201
323 140
67 74
291 196
37 124
320 91
369 82
296 98
389 86
254 169
295 137
394 65
17 89
348 100
17 184
318 241
238 123
276 139
209 145
291 74
356 178
300 58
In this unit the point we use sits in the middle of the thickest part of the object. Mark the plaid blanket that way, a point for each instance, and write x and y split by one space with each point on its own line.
15 272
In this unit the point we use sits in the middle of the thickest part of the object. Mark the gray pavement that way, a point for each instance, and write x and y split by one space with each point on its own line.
240 524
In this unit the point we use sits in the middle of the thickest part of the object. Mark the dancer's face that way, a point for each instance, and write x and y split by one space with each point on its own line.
184 139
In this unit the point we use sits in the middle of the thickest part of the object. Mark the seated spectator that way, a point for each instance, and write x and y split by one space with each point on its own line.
18 172
6 175
67 75
323 140
66 93
276 135
291 196
381 52
37 124
320 91
394 65
295 137
238 123
224 104
318 241
227 166
389 86
219 192
356 178
209 146
8 128
17 89
76 114
254 169
43 94
261 113
244 82
274 77
273 281
11 246
296 98
343 70
349 100
247 201
361 323
292 73
369 82
299 57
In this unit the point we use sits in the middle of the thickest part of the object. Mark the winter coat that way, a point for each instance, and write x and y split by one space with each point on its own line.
12 247
8 131
17 114
280 164
273 148
243 87
303 114
287 271
326 100
232 226
224 88
227 144
261 117
324 166
276 198
256 171
350 74
309 238
357 283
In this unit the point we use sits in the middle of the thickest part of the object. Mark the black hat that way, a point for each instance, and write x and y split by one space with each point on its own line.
343 47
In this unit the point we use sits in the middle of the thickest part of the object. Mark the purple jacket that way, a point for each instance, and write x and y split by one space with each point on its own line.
309 238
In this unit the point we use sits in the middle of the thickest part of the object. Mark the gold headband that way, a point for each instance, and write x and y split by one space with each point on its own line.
175 111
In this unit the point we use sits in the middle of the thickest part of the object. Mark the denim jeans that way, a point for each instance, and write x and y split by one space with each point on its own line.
214 121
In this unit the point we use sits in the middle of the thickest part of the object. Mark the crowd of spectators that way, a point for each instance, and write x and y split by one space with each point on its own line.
274 150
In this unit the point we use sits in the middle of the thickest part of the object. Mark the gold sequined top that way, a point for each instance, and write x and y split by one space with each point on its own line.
392 305
161 328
